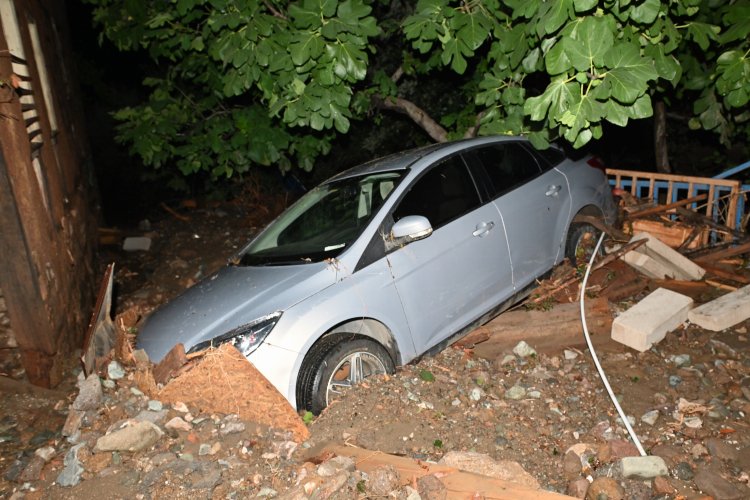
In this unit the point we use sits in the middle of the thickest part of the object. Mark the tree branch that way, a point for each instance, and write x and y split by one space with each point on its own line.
472 131
417 114
275 12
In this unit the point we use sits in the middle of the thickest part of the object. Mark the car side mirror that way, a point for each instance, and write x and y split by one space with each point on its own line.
410 228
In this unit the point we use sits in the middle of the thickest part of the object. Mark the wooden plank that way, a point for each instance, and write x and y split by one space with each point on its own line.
725 253
724 274
459 484
663 208
547 331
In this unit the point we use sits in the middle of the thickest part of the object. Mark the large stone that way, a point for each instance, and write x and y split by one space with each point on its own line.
479 463
605 488
648 322
718 487
383 481
72 470
657 260
135 437
724 312
643 467
89 394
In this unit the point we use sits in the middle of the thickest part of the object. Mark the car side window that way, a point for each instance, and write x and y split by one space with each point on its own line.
443 194
508 165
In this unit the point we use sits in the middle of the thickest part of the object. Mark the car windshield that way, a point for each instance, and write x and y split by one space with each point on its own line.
323 223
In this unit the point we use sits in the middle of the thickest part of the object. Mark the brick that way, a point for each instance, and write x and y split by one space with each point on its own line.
647 322
721 313
657 260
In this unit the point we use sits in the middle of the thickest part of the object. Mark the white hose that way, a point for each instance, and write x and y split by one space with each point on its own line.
596 358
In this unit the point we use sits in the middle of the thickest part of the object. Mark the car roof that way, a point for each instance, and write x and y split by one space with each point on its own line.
405 159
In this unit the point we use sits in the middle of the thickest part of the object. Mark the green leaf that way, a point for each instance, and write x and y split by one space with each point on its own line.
645 12
472 29
558 13
556 98
629 72
702 34
305 45
453 53
593 40
584 5
556 61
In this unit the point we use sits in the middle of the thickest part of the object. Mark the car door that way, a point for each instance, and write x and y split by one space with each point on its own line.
461 270
530 199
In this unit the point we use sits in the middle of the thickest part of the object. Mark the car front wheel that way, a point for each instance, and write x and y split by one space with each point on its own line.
580 243
335 365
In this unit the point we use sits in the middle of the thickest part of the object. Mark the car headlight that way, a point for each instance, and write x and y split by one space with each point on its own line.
245 338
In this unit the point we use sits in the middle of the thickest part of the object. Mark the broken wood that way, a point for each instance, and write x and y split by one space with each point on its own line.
724 253
172 362
721 286
672 234
665 208
545 330
599 224
724 274
173 213
100 336
459 484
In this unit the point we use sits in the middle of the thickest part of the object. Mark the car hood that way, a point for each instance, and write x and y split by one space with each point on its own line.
231 297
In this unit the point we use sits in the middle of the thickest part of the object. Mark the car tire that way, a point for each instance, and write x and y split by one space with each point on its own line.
317 382
580 243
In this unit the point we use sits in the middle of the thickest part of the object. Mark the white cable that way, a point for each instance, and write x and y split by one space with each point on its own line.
596 358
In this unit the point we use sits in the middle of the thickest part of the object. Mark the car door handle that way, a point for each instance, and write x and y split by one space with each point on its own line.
483 228
552 190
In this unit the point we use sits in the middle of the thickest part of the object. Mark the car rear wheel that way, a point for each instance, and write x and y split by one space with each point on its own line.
580 243
335 365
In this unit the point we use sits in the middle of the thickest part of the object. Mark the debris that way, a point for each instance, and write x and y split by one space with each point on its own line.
134 437
100 336
136 244
71 473
643 467
719 488
648 322
484 465
725 253
657 260
524 350
90 394
224 381
724 312
167 367
115 370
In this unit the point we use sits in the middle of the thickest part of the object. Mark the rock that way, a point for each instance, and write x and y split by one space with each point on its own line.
383 480
616 449
670 453
332 485
479 463
46 453
109 384
72 470
570 355
698 450
431 488
72 423
155 417
284 449
335 465
643 467
135 437
578 488
32 471
683 471
650 417
572 466
155 405
115 371
680 360
605 488
266 492
179 406
231 425
674 380
90 394
178 424
523 350
721 449
516 392
719 488
476 394
662 486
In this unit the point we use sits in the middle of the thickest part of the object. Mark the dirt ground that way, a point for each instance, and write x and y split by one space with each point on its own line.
689 397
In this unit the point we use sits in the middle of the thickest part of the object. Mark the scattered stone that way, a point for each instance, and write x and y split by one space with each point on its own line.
178 424
721 449
662 486
109 384
643 467
616 449
332 485
516 392
719 488
698 450
136 392
476 394
90 394
431 488
266 492
180 407
507 359
650 417
72 423
485 465
155 405
605 488
578 488
72 470
674 380
524 350
155 417
335 465
46 453
680 360
204 449
115 371
683 471
383 480
135 437
32 471
570 355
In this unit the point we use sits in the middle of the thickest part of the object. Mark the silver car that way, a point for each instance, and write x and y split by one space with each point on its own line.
388 261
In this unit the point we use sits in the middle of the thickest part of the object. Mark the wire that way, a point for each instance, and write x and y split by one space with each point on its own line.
602 375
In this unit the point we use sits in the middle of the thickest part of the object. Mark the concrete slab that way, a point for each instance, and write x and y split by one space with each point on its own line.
648 322
721 313
137 243
657 260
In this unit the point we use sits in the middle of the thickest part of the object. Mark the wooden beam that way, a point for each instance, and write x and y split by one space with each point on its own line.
663 208
459 484
724 253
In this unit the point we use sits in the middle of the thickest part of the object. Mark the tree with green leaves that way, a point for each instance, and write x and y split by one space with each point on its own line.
243 83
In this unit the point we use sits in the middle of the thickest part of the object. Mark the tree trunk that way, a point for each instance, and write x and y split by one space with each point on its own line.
660 138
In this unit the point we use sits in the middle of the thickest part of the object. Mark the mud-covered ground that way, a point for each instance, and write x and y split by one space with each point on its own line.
689 397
